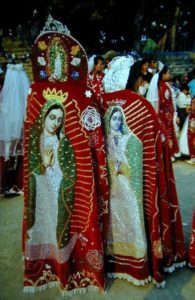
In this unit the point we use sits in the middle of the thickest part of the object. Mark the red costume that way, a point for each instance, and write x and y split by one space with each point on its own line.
192 244
166 114
65 179
191 129
139 160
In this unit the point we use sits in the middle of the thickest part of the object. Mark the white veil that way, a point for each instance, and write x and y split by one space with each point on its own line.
116 76
13 98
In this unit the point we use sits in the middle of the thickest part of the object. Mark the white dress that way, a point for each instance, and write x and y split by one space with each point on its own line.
183 139
13 98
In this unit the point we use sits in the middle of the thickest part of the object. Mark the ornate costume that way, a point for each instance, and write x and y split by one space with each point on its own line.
191 130
64 153
166 115
145 235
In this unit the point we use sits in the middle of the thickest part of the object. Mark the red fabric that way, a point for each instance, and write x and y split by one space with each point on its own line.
95 82
85 266
77 272
192 243
164 231
191 129
166 114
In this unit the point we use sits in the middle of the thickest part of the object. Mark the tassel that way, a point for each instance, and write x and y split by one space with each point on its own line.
34 289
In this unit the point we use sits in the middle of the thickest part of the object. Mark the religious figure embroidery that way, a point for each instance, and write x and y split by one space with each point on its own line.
126 234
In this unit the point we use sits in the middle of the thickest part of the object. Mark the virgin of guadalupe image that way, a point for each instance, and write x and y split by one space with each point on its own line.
51 185
57 61
126 233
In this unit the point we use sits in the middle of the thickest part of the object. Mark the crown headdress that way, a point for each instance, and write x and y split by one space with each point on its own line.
54 95
116 102
54 25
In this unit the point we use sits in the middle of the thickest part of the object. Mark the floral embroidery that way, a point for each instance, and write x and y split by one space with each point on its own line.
93 139
75 50
157 248
75 75
88 94
76 61
41 61
95 259
90 118
42 45
42 74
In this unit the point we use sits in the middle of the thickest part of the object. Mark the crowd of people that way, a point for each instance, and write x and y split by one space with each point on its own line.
99 192
173 100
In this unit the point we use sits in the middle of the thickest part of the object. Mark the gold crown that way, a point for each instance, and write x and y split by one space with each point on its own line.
49 94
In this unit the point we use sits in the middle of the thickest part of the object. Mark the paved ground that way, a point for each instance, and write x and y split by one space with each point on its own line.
179 285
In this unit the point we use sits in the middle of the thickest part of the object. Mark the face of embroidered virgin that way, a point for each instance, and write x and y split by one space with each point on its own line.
115 121
53 121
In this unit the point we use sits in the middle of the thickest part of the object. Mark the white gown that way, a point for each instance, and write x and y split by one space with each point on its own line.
183 139
13 98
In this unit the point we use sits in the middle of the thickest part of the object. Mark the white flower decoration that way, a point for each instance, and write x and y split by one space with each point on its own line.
75 61
90 118
29 91
41 61
88 94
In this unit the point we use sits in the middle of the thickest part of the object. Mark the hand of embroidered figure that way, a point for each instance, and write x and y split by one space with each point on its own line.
48 157
118 165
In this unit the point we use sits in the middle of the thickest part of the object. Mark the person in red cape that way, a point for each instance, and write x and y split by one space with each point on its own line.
191 251
191 131
65 178
145 235
96 76
166 111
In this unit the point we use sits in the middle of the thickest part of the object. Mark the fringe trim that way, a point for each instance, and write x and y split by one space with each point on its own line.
41 288
80 291
159 284
129 278
34 289
174 266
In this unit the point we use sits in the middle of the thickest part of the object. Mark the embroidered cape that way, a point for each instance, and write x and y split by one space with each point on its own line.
145 209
